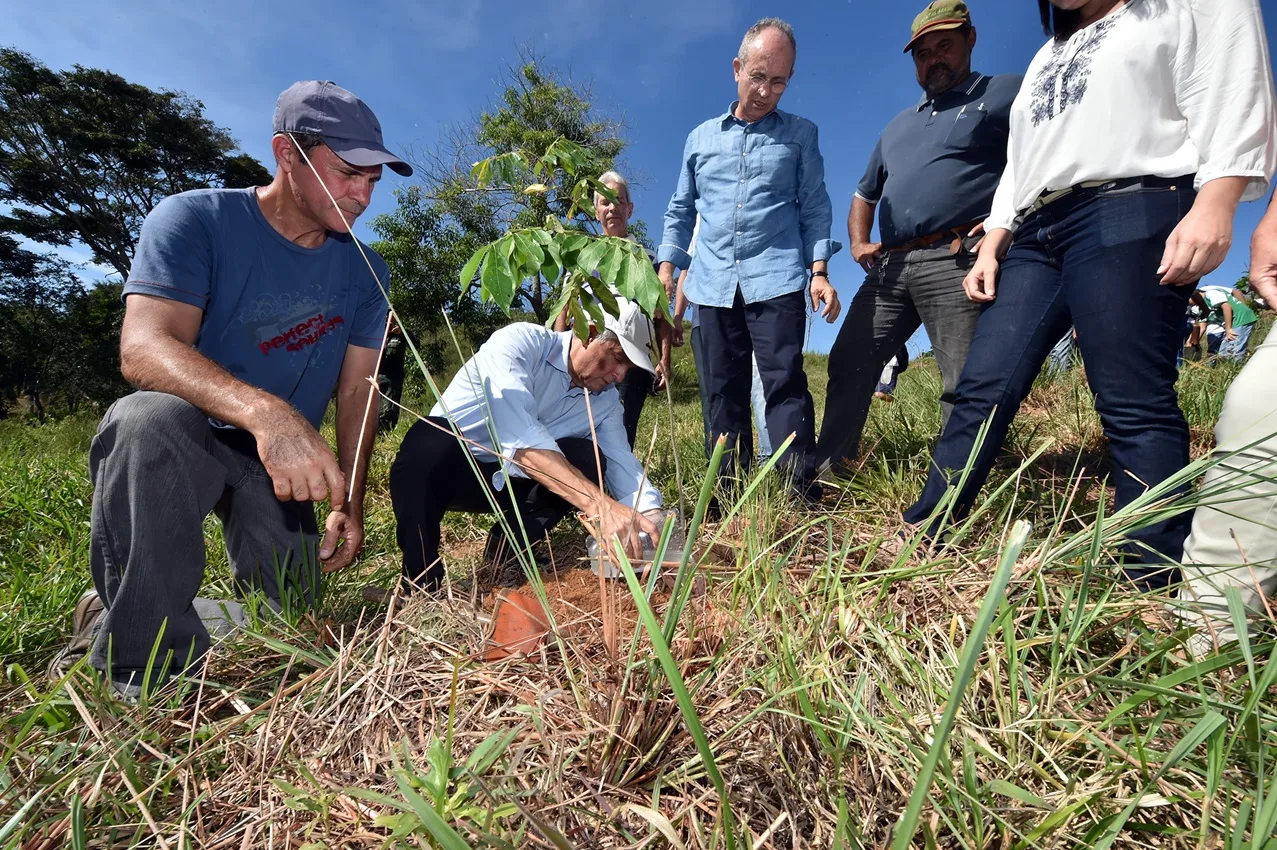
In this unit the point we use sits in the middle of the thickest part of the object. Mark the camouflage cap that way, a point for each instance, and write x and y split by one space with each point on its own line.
940 15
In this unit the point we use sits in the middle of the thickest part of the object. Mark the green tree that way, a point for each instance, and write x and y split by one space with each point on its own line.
85 155
424 247
537 109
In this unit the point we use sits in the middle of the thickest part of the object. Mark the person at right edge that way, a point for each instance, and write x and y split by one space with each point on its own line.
1140 126
1234 545
932 175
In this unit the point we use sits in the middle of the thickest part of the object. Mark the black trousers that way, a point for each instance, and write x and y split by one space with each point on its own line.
773 332
634 391
432 475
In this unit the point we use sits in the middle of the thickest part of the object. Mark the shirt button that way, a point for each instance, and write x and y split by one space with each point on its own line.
738 262
738 206
742 180
738 233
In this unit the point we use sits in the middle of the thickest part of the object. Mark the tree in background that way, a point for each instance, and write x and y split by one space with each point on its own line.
85 155
58 341
442 222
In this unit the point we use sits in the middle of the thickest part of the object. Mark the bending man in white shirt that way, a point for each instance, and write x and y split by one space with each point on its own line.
521 411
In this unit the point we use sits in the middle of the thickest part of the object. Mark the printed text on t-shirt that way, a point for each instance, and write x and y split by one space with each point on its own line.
301 335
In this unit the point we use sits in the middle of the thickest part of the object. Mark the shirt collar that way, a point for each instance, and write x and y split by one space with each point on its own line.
730 117
966 87
559 354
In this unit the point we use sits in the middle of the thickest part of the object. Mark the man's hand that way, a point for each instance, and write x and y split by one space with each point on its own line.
663 373
1200 242
823 292
1263 257
676 331
349 529
621 523
1231 333
981 283
666 273
298 460
868 254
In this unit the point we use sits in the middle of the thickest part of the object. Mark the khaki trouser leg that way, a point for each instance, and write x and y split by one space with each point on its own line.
1234 541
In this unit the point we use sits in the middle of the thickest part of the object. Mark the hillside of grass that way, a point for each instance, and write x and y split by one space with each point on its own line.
791 686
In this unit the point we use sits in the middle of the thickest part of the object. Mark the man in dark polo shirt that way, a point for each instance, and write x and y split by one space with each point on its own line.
932 174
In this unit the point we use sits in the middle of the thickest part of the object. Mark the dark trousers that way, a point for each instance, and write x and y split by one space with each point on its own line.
773 332
159 468
903 291
1089 260
432 475
634 391
702 367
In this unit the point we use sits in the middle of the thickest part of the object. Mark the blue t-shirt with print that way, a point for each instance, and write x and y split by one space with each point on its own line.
276 315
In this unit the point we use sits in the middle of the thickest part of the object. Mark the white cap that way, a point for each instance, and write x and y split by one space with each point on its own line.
635 332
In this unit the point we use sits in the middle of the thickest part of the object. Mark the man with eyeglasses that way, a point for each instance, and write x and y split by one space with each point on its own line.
757 179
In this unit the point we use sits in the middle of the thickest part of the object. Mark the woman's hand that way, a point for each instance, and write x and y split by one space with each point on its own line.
981 283
1200 242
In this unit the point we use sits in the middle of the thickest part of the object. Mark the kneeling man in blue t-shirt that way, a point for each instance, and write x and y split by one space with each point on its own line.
244 309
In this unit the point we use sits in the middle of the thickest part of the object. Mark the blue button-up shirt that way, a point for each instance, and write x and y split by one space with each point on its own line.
765 214
937 164
516 393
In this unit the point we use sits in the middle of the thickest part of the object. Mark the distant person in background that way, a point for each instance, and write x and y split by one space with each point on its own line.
1060 360
756 177
1233 545
931 180
886 389
614 216
1229 323
390 378
1139 128
757 399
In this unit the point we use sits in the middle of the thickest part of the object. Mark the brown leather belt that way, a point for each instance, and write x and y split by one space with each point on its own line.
955 234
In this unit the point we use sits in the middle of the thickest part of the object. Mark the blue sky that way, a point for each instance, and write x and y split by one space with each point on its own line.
662 65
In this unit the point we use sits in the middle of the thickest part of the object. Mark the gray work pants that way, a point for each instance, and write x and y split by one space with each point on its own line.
903 291
159 468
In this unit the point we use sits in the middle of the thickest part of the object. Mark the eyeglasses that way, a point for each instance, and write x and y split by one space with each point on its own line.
759 81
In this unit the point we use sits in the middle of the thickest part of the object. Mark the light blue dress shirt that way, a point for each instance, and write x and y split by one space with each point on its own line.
515 393
765 214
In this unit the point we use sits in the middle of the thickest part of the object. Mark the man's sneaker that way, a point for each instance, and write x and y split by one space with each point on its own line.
84 628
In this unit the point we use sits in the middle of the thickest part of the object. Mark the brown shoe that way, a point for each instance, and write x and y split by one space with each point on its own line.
84 628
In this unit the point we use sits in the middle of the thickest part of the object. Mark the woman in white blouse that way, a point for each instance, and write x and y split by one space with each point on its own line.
1139 127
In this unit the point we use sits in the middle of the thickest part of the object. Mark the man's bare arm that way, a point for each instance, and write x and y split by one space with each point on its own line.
157 353
552 471
356 417
860 222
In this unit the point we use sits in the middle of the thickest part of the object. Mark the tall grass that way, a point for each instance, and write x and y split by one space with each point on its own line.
1009 693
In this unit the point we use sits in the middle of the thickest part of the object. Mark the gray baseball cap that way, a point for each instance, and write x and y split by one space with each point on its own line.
345 123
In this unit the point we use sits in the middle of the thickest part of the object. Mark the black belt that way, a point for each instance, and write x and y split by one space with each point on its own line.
1101 187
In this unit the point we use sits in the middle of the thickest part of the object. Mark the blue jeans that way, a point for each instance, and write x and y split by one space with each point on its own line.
1089 260
1235 349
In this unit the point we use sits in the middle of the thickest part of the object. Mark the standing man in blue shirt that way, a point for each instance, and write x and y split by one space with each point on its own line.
515 429
244 310
756 177
932 177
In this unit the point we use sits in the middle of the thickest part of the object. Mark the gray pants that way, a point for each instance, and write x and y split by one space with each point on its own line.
159 468
903 291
